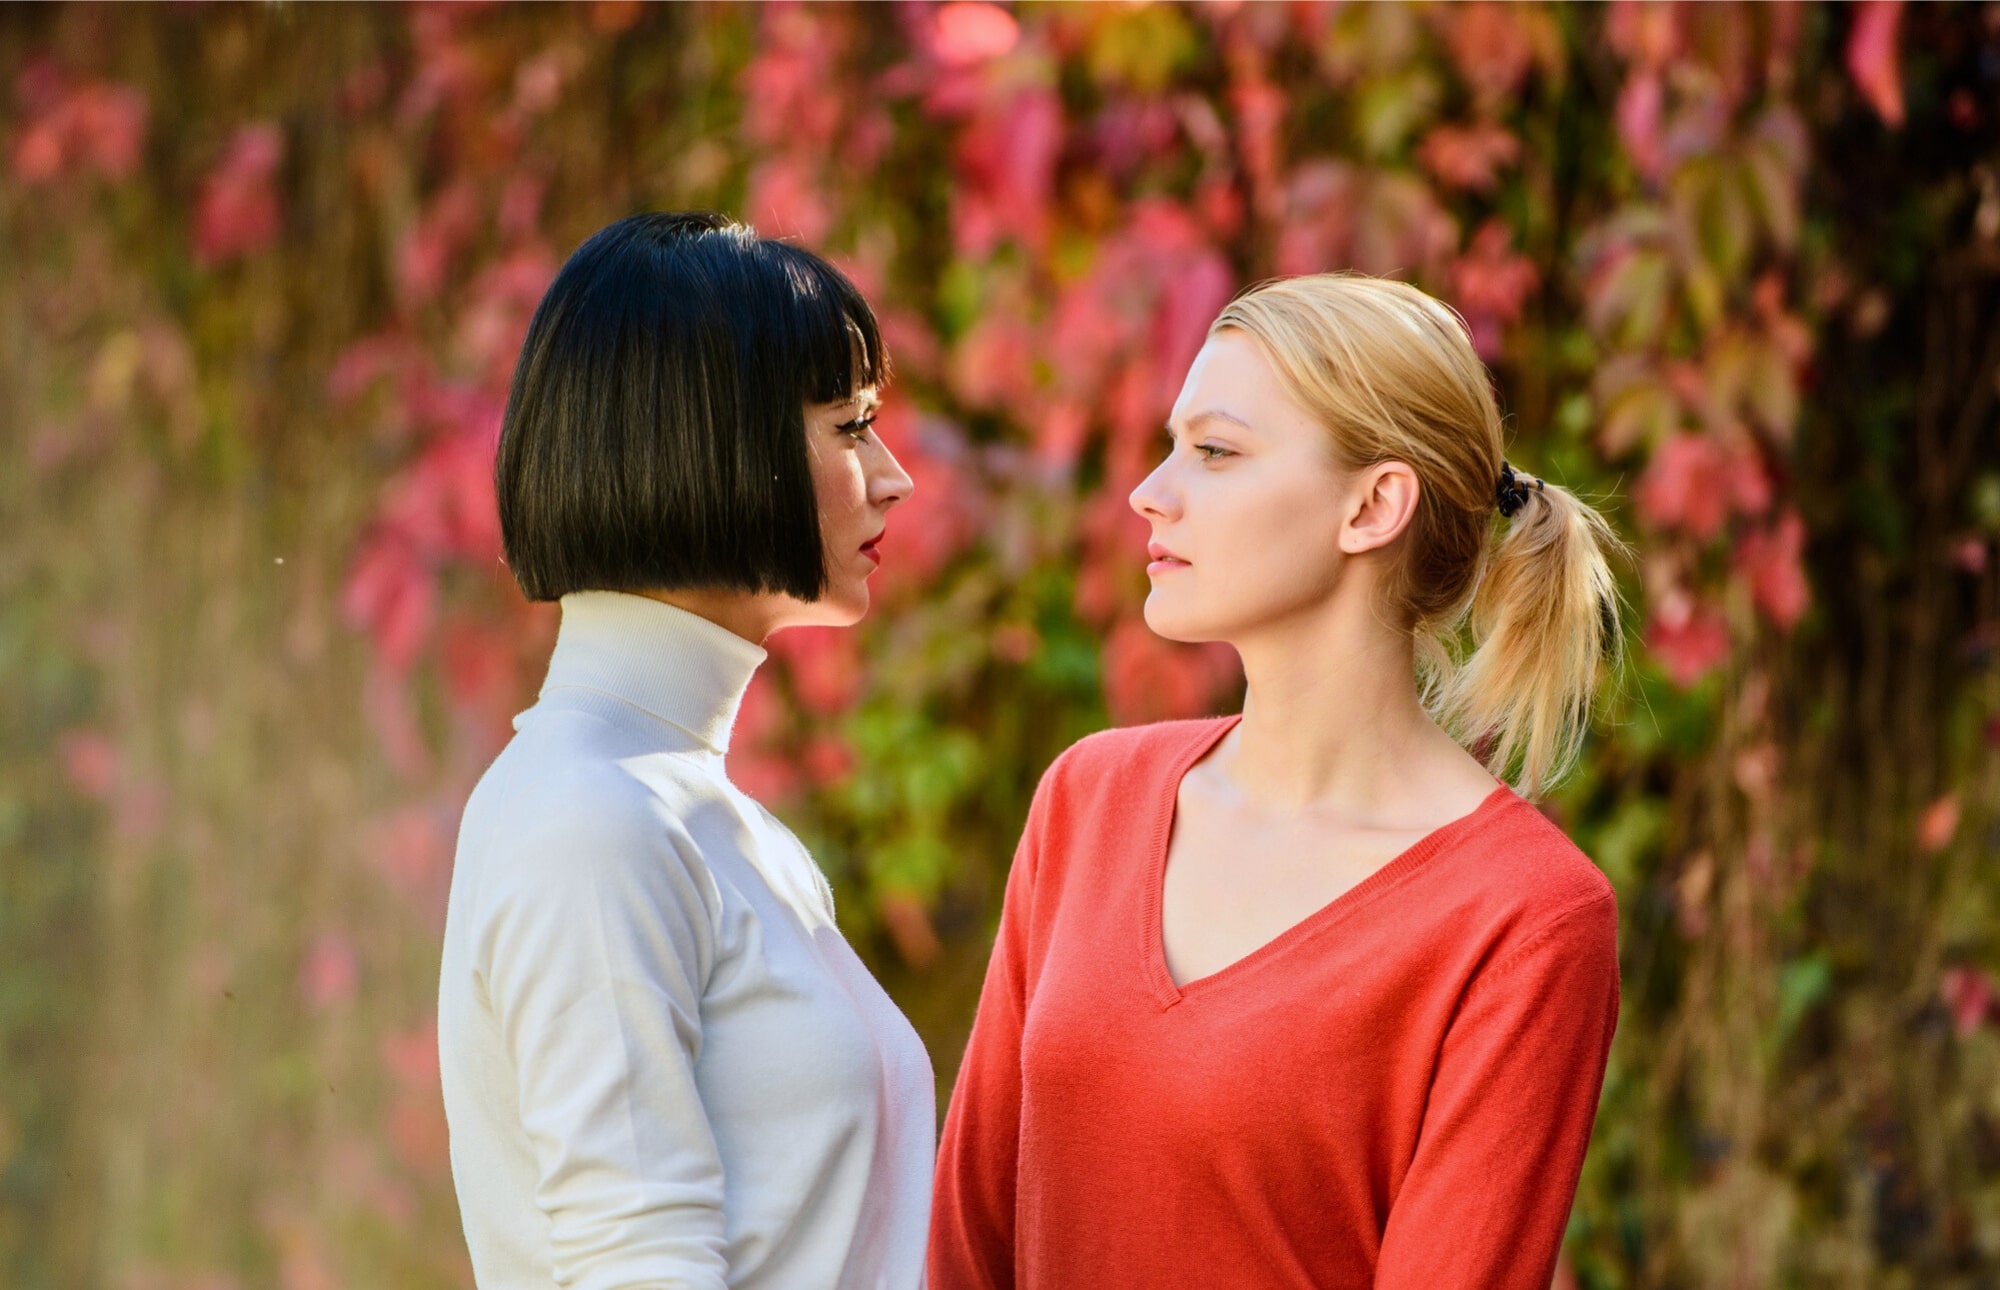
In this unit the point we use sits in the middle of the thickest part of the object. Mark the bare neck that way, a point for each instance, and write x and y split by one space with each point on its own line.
1332 720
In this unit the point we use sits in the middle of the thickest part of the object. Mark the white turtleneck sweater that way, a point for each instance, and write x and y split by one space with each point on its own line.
663 1065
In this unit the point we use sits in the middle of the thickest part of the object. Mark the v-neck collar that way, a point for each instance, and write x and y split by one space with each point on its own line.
1153 936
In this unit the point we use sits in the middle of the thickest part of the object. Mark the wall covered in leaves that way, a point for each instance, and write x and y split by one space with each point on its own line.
1736 268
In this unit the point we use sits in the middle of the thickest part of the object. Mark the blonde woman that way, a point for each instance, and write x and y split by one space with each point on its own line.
1307 997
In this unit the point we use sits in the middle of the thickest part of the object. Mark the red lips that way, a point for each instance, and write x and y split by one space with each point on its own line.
1157 552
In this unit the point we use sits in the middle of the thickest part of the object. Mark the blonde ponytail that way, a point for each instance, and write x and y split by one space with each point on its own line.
1512 636
1544 627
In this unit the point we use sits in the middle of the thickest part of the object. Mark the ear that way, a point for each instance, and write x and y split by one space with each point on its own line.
1381 504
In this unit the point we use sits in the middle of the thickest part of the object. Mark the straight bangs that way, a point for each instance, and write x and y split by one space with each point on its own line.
834 342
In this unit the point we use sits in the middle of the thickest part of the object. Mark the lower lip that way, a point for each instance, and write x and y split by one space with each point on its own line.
872 554
1163 566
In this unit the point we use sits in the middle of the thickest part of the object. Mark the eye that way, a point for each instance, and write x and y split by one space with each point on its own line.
1209 451
857 428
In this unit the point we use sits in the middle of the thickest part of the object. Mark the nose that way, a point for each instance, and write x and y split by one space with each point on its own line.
888 482
1153 498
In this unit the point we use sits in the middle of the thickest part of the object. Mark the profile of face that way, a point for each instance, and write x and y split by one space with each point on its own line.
1254 522
856 481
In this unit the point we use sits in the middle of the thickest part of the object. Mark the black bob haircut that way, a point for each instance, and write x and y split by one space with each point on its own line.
655 431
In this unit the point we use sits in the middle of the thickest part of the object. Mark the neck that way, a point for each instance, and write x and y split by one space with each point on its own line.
1331 714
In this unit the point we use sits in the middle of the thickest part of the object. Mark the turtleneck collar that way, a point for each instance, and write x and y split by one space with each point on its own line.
676 665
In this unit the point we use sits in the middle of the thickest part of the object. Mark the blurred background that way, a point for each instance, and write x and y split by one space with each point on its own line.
1736 268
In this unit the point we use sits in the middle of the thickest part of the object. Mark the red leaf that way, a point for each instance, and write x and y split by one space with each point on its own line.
1872 49
1491 45
1490 285
909 925
1685 486
1939 824
237 214
940 515
1770 560
1147 678
1689 641
1468 157
1968 994
828 759
824 663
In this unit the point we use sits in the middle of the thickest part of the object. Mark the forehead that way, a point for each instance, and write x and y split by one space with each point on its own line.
1232 374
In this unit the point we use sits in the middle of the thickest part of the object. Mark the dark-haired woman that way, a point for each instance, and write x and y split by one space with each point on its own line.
1307 998
662 1064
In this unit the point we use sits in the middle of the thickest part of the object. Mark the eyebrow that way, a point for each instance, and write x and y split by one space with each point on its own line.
1213 414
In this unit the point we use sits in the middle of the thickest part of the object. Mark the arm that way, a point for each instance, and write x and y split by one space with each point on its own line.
1488 1194
972 1210
599 947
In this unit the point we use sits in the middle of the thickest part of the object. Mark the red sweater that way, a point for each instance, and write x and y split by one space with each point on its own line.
1395 1093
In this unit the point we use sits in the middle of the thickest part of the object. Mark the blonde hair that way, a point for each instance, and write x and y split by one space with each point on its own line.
1513 634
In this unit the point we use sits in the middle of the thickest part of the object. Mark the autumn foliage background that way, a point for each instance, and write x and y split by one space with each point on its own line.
266 271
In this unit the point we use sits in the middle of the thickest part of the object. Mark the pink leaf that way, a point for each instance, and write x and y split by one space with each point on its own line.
1638 114
91 762
391 595
786 200
972 32
1872 57
330 973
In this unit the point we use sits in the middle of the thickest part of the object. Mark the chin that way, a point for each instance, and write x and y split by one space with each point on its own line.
843 610
1175 623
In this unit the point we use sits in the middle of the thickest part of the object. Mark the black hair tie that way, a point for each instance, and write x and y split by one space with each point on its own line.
1512 490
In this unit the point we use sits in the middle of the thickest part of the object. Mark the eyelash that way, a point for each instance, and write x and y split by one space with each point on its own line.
857 428
1209 451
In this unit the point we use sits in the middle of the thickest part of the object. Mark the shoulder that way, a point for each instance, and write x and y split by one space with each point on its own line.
1533 884
1123 753
572 799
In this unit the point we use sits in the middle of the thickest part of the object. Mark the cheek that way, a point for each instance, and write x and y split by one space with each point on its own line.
1280 530
837 484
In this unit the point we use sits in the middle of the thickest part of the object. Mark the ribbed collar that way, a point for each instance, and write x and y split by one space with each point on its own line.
678 666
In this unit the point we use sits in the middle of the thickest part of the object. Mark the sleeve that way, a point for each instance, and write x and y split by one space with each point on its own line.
599 946
1488 1193
972 1208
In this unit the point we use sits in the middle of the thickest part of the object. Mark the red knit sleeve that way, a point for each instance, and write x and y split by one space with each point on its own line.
1488 1193
972 1210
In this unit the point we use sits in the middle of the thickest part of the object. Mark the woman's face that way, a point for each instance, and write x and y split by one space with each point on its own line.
857 481
1247 507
